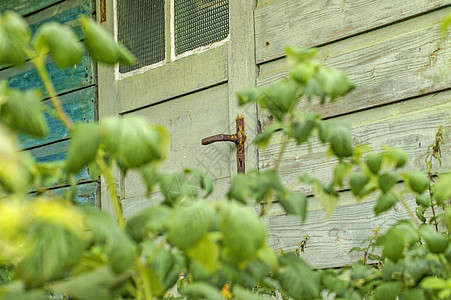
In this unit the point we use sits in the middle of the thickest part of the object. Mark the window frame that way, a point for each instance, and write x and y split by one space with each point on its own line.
170 51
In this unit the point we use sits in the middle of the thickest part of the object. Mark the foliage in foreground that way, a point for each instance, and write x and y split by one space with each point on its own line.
48 246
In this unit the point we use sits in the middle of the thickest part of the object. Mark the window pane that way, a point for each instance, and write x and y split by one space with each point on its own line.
141 29
199 23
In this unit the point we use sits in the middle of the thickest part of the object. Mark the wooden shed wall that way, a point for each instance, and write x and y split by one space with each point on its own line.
76 86
394 53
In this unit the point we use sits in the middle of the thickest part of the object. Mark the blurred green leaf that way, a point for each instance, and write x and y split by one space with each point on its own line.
417 181
442 188
249 95
204 180
328 198
243 294
263 138
201 290
303 128
340 140
297 54
61 42
334 83
387 181
374 162
83 145
101 45
280 98
436 242
14 38
293 203
340 172
433 283
23 111
357 182
188 225
244 233
397 238
151 220
387 291
384 203
304 71
205 252
297 279
396 156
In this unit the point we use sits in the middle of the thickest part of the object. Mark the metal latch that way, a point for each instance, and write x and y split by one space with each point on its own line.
239 138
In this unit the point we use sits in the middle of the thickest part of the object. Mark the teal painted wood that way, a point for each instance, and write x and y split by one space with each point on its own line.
68 17
55 152
64 80
87 194
25 7
80 106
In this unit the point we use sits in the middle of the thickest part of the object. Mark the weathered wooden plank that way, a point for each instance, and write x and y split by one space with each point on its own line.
330 238
25 7
87 194
404 60
55 152
189 119
80 106
410 125
64 80
176 78
311 23
66 13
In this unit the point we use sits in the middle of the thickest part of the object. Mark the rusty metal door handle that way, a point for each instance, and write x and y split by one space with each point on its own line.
239 138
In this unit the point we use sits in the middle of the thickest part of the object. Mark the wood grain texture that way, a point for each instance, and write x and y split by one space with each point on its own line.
80 106
55 152
189 119
408 59
87 194
330 238
281 23
65 80
25 7
182 76
410 125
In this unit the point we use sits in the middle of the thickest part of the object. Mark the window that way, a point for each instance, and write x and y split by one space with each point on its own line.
194 26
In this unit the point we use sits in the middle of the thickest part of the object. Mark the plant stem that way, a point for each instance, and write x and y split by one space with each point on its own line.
432 206
281 152
106 172
39 63
407 208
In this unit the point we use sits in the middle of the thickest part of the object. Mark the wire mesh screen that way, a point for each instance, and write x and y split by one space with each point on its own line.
141 29
199 23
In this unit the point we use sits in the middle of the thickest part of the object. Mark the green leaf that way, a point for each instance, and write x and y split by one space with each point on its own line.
205 181
280 98
61 42
357 182
417 181
334 284
324 131
188 225
14 38
397 156
176 188
340 140
413 293
269 257
442 188
374 162
201 290
95 285
328 200
263 138
23 111
387 181
249 95
297 279
387 291
101 45
397 238
121 249
302 129
304 71
83 145
433 283
244 233
51 251
333 83
150 221
423 200
384 203
419 211
293 203
240 293
205 252
446 22
436 242
300 54
340 172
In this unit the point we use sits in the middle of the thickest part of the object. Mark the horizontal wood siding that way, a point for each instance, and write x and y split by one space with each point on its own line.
64 80
80 106
281 23
25 7
397 62
76 86
410 125
332 237
189 119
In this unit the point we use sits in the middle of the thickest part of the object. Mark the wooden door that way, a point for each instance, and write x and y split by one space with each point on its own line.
192 94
